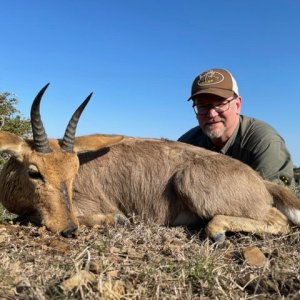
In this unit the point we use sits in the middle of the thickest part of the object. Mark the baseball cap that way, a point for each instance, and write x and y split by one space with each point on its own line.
218 82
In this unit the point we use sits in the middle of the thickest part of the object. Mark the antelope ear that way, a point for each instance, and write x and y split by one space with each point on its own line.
11 143
95 141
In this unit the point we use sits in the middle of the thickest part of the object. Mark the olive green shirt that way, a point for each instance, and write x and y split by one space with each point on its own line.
255 143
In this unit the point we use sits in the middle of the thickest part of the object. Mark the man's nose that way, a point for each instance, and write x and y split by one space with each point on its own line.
212 113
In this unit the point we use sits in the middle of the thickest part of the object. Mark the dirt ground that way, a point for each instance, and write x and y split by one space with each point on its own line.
146 261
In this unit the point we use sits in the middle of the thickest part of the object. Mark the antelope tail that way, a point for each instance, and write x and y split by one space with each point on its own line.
286 201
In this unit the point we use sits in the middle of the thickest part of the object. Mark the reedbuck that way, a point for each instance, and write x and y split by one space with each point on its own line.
95 179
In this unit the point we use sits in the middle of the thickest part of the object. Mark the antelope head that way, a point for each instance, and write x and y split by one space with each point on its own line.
36 182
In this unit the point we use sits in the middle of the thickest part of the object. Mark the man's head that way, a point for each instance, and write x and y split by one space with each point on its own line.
218 82
217 104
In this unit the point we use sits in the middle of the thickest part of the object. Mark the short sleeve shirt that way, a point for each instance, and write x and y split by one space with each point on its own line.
253 142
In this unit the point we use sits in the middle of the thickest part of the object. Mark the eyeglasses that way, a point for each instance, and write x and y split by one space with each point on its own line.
202 110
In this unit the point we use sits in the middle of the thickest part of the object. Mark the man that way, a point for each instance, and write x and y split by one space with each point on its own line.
217 104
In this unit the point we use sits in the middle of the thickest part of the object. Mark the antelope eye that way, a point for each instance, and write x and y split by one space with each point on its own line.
34 173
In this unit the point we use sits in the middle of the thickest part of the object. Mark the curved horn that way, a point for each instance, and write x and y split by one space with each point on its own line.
41 143
67 143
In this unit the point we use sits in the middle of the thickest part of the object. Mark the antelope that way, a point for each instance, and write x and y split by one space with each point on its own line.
104 179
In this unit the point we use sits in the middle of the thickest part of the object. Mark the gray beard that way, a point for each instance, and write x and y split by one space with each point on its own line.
214 134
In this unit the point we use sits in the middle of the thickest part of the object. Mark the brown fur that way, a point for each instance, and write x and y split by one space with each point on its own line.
168 182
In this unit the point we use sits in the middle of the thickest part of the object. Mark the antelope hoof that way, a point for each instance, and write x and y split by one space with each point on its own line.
218 238
120 219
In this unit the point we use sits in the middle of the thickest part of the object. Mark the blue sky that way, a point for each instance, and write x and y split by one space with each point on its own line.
140 58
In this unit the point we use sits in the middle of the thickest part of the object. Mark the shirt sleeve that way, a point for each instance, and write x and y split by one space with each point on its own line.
272 160
190 137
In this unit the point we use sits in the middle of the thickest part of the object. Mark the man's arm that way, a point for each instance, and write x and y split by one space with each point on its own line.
273 161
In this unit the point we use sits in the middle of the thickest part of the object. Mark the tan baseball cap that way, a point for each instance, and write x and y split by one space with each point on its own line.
218 82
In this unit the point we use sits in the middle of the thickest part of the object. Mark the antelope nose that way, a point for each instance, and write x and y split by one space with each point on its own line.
69 232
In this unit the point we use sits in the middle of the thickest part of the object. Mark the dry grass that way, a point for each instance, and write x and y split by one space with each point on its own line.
144 261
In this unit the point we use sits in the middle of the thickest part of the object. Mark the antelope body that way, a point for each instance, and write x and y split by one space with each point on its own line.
97 179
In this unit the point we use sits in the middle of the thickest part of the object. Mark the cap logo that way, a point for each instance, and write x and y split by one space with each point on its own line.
209 78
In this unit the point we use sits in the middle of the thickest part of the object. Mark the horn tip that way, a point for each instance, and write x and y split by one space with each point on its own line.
88 98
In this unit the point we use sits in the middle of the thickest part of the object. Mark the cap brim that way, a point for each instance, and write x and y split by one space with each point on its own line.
214 91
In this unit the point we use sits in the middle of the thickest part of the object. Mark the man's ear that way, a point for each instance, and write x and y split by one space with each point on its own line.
239 104
95 141
12 144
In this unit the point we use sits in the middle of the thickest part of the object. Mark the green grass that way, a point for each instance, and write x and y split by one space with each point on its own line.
5 214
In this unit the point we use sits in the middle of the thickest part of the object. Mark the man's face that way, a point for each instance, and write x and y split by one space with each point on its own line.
217 116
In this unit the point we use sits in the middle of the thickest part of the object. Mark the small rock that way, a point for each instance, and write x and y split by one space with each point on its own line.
254 256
